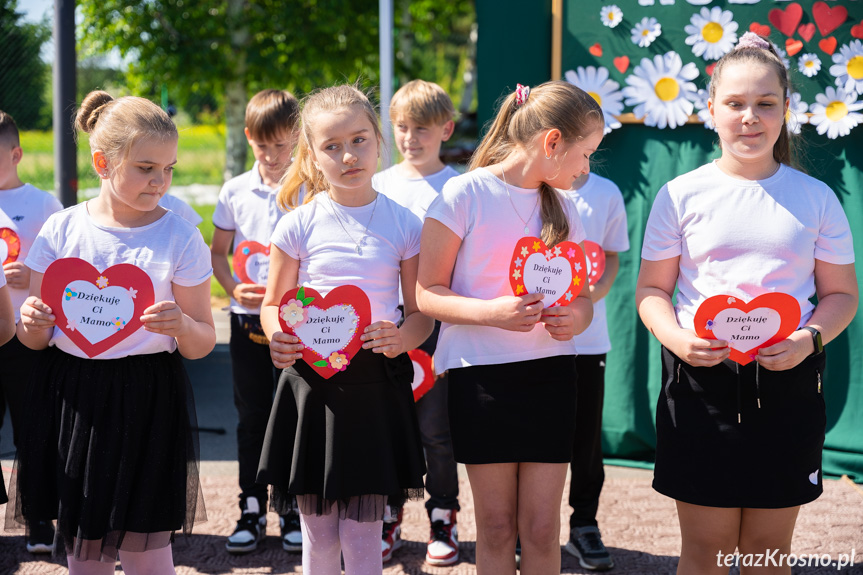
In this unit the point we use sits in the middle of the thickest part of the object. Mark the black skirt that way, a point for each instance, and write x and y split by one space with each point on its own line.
110 450
514 412
351 440
716 447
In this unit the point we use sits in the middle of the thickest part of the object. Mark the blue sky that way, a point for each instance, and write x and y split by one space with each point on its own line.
34 9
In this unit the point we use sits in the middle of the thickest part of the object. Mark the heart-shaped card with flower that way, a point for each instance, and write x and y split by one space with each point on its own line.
329 327
559 273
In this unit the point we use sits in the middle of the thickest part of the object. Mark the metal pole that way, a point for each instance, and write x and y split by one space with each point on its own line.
65 167
385 30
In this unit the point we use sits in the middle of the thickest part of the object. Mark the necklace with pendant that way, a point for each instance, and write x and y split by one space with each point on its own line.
530 217
360 243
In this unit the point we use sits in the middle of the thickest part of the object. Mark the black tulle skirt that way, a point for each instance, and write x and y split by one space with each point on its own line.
352 440
109 450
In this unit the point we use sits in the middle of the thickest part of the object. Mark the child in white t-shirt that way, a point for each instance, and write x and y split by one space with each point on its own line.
422 118
109 447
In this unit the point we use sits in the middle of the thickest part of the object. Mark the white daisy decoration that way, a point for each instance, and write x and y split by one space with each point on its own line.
848 67
809 64
606 92
611 15
712 32
646 31
836 112
661 90
700 102
782 55
796 116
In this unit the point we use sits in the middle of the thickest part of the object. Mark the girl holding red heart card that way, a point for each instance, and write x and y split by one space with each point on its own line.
345 444
110 447
511 360
739 446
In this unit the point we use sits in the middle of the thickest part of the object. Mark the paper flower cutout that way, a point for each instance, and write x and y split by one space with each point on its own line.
712 32
809 65
796 116
606 92
662 90
102 282
294 313
646 31
119 323
516 275
848 67
836 112
71 324
338 361
700 102
611 15
132 293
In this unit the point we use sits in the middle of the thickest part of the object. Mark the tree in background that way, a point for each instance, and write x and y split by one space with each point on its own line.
24 77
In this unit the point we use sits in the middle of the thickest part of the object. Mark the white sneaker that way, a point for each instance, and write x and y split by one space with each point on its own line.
250 529
443 539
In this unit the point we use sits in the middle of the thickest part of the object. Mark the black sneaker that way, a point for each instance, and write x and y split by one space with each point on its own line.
292 535
585 543
40 537
251 528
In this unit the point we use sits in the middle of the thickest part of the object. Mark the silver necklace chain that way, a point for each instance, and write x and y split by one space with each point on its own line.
530 217
358 244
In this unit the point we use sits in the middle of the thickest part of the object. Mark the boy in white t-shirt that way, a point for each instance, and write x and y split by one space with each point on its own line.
247 212
23 210
422 117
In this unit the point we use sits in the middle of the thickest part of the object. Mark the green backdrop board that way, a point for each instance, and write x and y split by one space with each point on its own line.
641 158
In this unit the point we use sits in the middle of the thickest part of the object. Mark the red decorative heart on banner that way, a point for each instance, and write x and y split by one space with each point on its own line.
828 45
423 373
595 50
806 31
827 18
252 262
793 45
709 69
857 31
760 29
330 327
560 272
747 327
10 246
621 63
787 21
595 261
96 310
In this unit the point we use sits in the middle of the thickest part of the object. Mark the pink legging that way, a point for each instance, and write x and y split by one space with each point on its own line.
326 538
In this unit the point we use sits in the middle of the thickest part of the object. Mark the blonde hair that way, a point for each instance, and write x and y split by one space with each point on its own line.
9 130
271 114
115 125
303 170
551 105
422 102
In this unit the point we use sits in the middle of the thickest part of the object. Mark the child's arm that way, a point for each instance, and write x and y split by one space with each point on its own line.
247 295
37 320
285 349
189 319
7 316
601 288
384 337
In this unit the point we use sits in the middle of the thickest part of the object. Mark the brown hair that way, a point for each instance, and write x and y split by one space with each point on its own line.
551 105
783 151
8 130
115 125
272 114
303 170
422 102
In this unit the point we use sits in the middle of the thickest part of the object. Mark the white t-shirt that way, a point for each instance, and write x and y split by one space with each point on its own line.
170 251
476 207
247 207
180 208
327 253
746 238
600 205
23 210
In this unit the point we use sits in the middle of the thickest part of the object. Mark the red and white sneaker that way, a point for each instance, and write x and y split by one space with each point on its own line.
391 538
443 541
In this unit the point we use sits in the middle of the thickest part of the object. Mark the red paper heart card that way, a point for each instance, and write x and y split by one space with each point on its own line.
96 310
10 246
595 261
329 327
423 373
747 327
252 262
559 272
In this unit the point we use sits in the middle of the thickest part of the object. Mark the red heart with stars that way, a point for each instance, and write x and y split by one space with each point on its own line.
595 261
786 21
330 327
252 262
96 310
423 373
559 272
747 327
827 18
10 246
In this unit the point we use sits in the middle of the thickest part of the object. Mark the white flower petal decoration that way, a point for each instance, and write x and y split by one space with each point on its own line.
796 116
700 102
712 32
606 92
646 31
836 112
782 55
662 90
848 67
809 64
611 15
